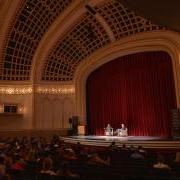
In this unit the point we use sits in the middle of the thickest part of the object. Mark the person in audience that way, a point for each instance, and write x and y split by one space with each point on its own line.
160 163
113 145
8 162
78 148
47 166
2 168
65 171
19 163
94 158
124 148
69 154
137 155
142 151
132 148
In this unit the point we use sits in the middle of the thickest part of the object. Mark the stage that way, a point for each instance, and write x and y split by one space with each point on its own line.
145 141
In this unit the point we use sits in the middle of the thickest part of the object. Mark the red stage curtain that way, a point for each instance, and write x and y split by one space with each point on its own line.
137 90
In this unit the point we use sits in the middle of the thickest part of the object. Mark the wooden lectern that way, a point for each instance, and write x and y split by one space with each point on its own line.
81 130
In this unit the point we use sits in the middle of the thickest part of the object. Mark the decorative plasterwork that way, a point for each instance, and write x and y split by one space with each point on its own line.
100 26
49 39
56 90
86 37
38 89
14 90
31 23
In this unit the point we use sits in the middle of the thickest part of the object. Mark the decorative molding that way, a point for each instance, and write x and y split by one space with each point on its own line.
11 90
56 90
39 89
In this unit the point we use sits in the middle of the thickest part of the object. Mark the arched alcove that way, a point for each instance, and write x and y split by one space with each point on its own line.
152 41
136 90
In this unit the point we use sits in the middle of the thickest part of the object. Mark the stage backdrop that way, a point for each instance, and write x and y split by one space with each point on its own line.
137 90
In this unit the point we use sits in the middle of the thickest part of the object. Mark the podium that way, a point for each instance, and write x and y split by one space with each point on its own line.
81 130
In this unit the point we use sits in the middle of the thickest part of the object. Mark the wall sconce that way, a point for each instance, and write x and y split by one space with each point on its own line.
20 108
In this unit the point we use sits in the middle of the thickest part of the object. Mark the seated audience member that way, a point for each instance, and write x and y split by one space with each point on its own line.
113 144
2 167
94 158
132 148
69 154
65 171
142 150
8 163
176 165
160 164
137 155
78 148
47 166
124 148
19 163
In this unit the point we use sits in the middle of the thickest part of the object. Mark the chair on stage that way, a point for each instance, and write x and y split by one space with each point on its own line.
108 132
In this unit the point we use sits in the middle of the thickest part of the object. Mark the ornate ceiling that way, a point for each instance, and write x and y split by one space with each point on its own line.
100 24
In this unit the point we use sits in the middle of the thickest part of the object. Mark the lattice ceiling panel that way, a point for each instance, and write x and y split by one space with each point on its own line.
83 39
88 35
122 21
32 22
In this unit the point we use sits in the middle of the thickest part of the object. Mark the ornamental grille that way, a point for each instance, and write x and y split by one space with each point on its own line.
88 35
32 21
122 21
84 38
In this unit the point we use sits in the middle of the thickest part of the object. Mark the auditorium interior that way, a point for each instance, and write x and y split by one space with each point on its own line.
69 68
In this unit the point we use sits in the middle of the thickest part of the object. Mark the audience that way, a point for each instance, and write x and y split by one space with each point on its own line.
54 157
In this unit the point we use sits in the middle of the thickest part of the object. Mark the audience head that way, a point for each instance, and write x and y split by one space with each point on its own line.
160 158
47 163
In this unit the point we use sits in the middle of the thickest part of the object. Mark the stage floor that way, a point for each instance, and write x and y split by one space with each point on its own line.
119 138
145 141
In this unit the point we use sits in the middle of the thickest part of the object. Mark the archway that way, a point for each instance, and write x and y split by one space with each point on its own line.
152 41
137 90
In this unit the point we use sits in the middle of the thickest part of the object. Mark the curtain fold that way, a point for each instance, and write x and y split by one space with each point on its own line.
137 90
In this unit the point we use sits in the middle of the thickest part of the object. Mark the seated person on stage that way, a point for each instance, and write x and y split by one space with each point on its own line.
123 127
122 131
108 130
